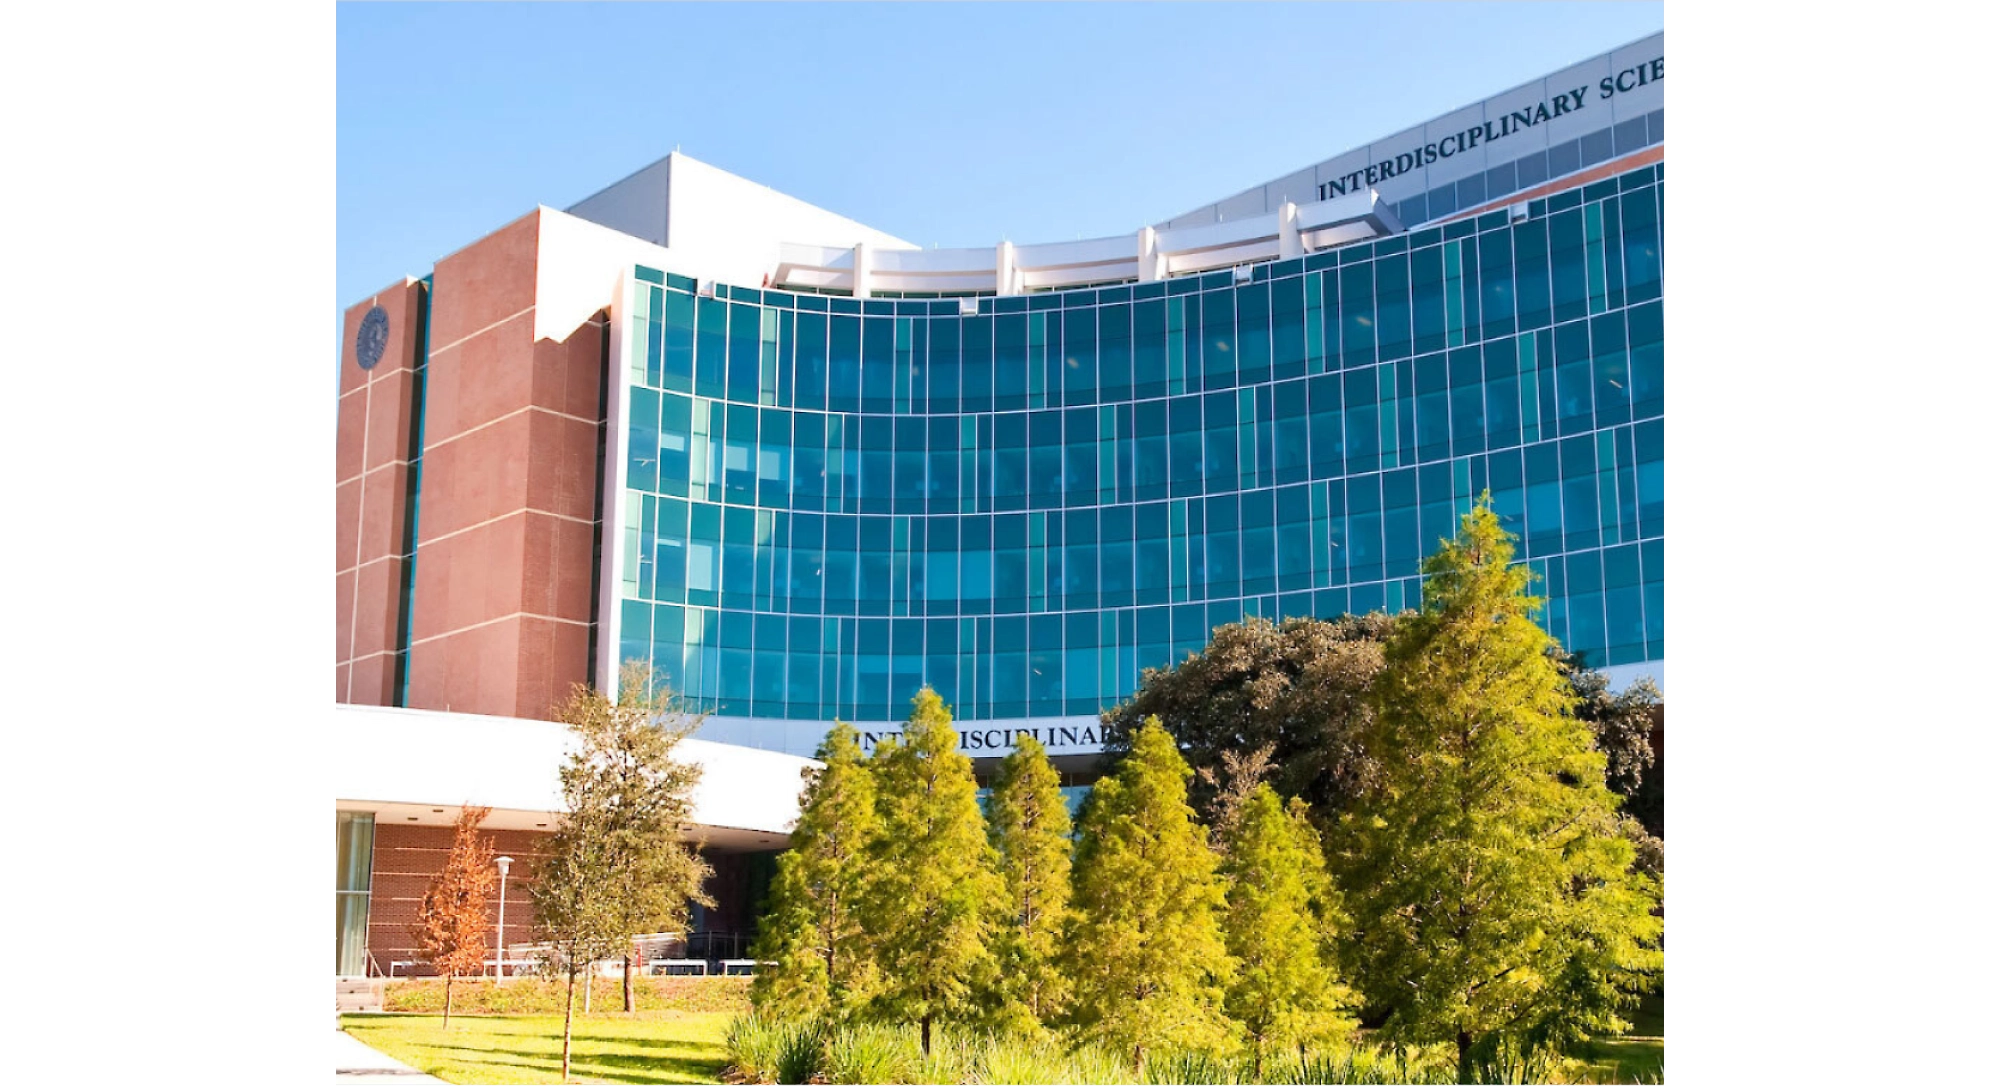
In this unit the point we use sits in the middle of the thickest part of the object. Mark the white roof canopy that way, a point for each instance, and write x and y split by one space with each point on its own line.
418 765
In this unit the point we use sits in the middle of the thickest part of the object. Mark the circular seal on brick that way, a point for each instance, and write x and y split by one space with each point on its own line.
373 337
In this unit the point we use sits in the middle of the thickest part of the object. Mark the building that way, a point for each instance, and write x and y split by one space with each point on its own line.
804 467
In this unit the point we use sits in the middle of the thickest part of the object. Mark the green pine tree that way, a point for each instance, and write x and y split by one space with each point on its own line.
1031 831
1494 899
1145 949
935 891
811 930
1279 922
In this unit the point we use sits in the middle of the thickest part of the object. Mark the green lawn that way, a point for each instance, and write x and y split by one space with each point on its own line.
684 1046
650 1046
1630 1059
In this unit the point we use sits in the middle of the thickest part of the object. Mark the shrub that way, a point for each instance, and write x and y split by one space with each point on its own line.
874 1053
1097 1066
1007 1062
538 995
765 1049
1191 1068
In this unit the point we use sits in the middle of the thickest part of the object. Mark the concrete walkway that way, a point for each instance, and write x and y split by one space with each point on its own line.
354 1061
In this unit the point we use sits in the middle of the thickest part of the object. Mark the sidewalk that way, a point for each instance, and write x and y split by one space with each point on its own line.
356 1062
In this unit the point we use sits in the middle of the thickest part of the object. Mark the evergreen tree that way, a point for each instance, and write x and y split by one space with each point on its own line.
452 929
811 929
1494 898
1031 830
935 892
1145 948
1279 921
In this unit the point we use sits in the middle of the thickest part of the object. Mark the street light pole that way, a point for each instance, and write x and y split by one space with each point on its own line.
500 930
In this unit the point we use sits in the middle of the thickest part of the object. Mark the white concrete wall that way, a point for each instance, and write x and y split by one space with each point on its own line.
1597 113
722 226
414 756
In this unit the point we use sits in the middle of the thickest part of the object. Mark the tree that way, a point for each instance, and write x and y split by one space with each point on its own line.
574 891
452 930
650 800
935 893
618 866
811 930
1299 687
1280 921
1494 899
1031 832
1145 948
1624 724
1298 690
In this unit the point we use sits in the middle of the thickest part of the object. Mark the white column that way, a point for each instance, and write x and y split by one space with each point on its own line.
1005 281
1149 254
1289 244
861 269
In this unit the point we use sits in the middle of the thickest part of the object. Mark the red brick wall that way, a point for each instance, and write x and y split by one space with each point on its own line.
506 541
371 472
502 609
407 857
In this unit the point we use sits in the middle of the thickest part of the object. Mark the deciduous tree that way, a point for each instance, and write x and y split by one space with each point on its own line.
1145 948
1494 898
935 892
618 865
811 932
1031 832
1298 687
1279 927
452 930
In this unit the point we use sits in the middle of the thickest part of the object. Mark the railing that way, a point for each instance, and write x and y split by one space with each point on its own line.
701 953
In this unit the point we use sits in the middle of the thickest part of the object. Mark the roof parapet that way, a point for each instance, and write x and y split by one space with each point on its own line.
1144 256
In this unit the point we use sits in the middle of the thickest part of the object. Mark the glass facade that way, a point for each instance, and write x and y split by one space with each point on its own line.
354 855
831 501
1535 167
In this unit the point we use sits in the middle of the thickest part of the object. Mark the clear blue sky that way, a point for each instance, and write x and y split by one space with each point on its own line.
943 124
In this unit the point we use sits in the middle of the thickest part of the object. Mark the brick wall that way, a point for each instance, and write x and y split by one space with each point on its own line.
506 542
501 612
408 856
371 478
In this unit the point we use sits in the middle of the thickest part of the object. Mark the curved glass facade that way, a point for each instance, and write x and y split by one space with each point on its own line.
831 501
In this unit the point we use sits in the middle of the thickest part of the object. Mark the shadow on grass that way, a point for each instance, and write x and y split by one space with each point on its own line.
615 1068
477 1054
1627 1060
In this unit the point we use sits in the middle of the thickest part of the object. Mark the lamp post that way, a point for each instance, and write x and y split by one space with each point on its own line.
500 929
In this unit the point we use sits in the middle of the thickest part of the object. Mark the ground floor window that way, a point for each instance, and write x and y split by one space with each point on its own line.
354 852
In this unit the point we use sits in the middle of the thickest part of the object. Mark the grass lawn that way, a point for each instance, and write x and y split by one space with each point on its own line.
1628 1059
649 1046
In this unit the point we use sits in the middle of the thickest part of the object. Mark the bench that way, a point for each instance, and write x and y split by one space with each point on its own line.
741 967
667 966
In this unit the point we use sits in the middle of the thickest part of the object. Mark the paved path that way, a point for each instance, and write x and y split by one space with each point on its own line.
354 1061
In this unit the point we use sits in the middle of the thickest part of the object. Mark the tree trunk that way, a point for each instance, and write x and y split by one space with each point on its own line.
569 1006
1259 1073
628 980
589 982
1464 1056
448 978
927 1034
1139 1062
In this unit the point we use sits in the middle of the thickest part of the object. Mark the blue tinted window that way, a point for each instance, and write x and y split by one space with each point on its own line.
1024 509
